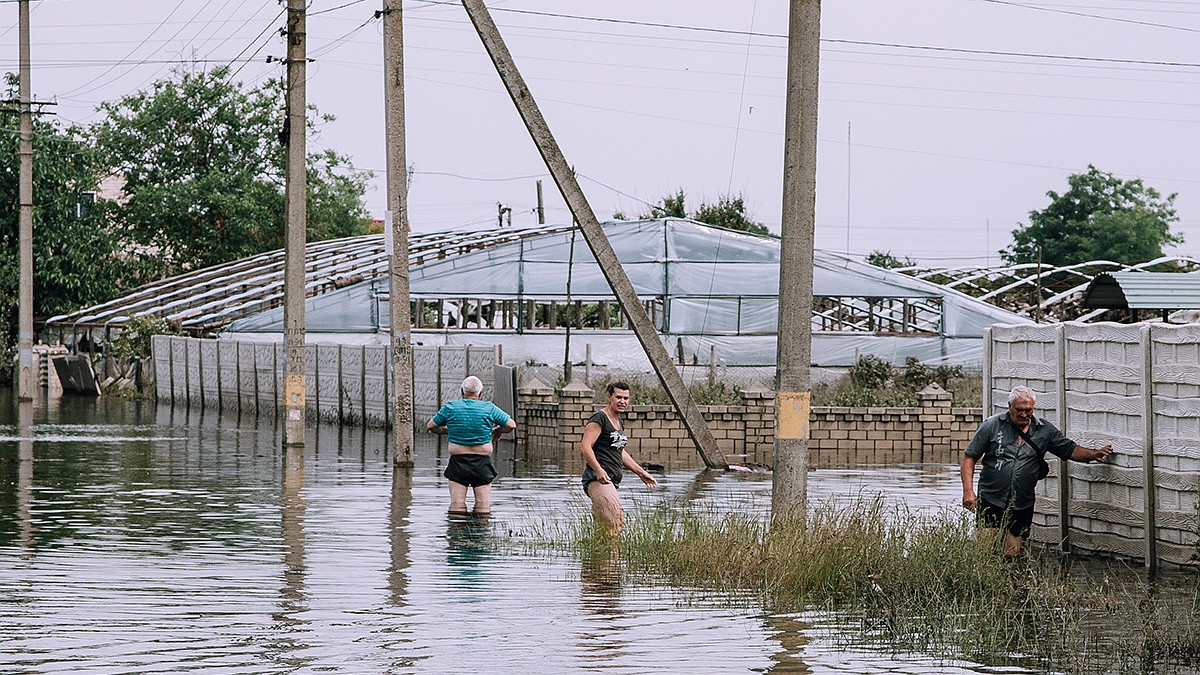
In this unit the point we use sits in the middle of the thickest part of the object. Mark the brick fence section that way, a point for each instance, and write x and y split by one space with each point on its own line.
934 432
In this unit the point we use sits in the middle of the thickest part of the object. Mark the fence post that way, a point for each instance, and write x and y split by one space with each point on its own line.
988 352
1064 477
1148 482
218 350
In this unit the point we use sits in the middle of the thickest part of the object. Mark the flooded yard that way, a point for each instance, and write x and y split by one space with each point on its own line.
136 538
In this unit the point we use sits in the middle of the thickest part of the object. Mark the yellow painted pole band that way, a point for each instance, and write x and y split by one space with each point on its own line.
293 390
791 414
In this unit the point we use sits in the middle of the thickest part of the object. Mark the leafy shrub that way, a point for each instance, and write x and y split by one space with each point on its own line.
872 382
134 343
871 372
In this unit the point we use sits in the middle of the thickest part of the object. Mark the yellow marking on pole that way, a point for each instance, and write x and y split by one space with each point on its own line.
791 414
293 390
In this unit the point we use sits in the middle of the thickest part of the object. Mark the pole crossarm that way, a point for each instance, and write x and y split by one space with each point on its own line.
593 233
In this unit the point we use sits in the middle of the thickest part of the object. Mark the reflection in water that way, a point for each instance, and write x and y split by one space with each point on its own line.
398 537
791 634
603 639
468 545
293 601
25 478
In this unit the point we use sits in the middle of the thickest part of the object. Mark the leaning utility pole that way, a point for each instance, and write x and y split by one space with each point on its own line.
594 235
297 225
789 481
25 379
397 206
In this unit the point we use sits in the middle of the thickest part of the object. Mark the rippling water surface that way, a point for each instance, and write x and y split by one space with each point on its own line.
143 539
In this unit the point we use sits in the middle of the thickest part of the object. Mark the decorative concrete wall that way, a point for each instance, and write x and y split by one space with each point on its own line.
933 432
1136 387
344 384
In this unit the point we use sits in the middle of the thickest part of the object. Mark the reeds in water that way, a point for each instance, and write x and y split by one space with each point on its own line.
920 582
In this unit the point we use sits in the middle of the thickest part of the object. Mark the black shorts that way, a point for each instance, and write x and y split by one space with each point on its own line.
614 476
1015 522
470 470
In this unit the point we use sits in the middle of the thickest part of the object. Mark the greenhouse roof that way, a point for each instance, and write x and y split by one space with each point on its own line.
691 264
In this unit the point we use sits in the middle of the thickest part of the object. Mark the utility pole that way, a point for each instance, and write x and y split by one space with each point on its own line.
297 226
397 204
25 378
789 480
541 209
593 233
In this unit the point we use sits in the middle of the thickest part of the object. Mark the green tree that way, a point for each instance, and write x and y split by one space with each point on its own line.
671 207
886 260
77 259
203 168
730 213
1100 217
727 212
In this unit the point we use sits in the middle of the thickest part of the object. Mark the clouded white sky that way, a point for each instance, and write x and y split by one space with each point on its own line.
942 122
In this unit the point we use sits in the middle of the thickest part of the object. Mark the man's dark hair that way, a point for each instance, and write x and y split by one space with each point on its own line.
613 386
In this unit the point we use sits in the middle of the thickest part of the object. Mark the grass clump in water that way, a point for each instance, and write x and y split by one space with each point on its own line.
921 583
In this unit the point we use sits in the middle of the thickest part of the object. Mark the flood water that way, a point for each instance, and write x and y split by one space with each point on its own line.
136 539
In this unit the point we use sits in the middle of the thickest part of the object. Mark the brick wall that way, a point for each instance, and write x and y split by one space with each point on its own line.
932 432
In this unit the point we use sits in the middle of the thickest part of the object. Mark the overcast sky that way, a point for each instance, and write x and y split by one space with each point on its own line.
942 122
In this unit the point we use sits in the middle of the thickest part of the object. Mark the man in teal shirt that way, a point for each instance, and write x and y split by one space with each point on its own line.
472 427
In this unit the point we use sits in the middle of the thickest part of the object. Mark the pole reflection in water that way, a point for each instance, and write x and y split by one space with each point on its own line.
293 600
398 537
791 634
25 478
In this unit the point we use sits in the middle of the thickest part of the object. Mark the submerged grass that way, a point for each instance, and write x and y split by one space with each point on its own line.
918 582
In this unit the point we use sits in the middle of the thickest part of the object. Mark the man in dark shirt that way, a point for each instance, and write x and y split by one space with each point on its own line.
1011 446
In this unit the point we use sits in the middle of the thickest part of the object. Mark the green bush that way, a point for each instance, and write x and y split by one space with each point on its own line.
871 372
872 382
643 393
134 343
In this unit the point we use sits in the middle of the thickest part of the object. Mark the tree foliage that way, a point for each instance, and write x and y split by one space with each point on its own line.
204 172
886 260
728 212
76 260
1099 217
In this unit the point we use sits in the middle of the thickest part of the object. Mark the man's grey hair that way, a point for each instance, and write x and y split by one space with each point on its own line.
1021 392
472 386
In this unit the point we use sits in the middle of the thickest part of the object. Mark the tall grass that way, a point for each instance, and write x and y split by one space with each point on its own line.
919 582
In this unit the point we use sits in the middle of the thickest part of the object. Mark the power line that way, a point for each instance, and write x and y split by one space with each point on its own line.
729 31
1090 16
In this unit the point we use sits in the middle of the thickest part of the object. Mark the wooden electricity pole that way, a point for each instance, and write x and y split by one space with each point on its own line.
25 375
793 400
397 205
564 177
297 225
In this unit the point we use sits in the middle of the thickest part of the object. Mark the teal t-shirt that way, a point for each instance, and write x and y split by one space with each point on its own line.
469 421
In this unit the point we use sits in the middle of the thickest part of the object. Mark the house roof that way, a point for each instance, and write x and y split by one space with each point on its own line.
1144 290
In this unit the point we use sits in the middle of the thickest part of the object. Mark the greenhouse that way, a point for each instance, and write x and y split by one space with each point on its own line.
710 291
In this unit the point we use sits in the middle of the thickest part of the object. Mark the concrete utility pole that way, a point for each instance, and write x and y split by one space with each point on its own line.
564 177
297 226
25 377
397 204
541 206
793 400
